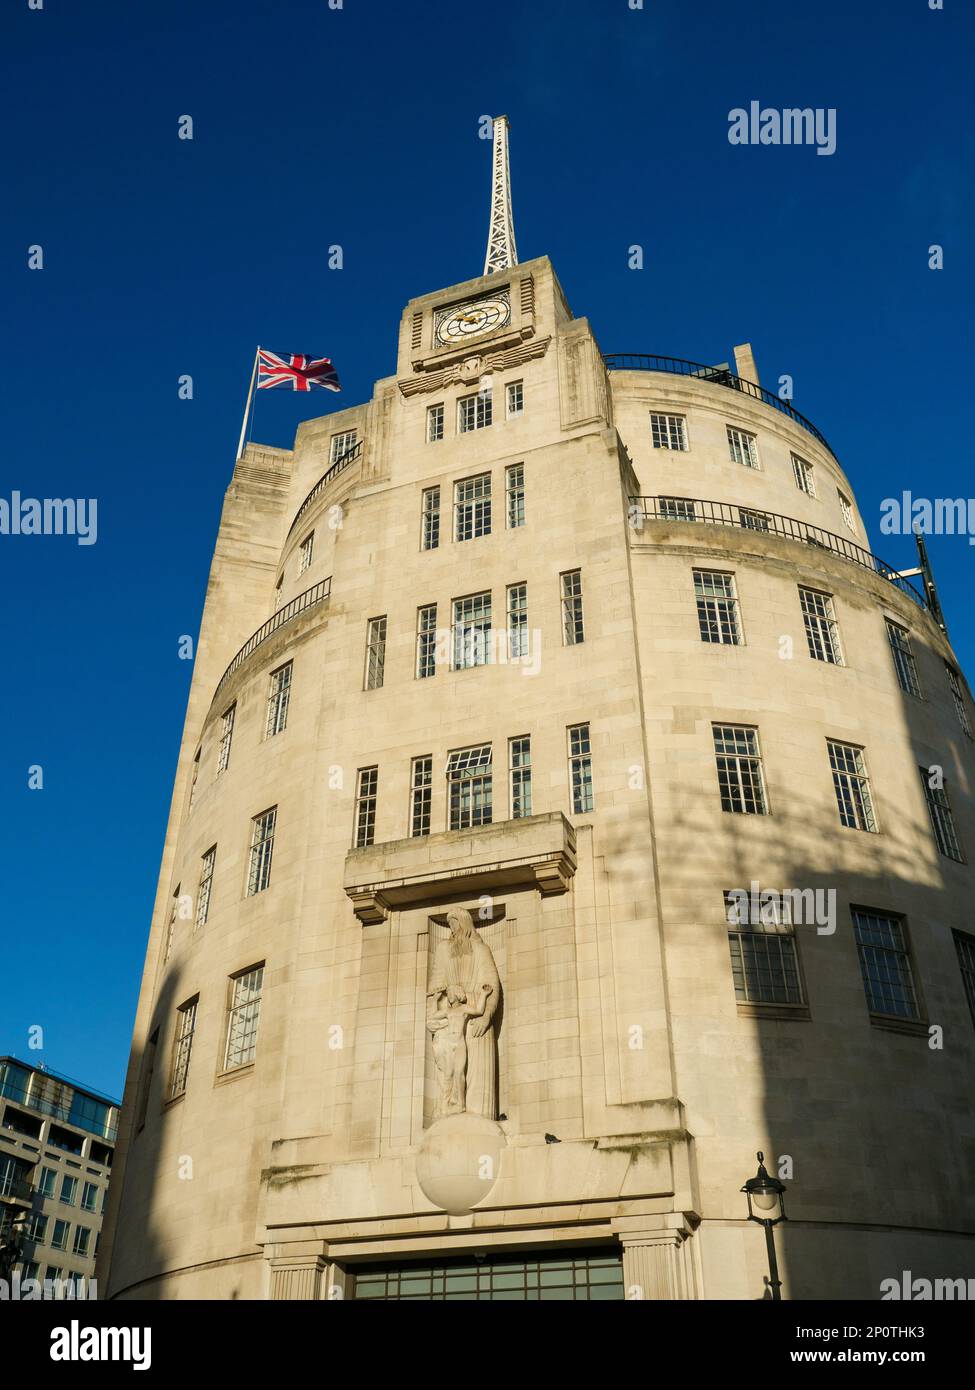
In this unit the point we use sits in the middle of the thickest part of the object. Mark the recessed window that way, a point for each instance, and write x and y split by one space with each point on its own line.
145 1086
183 1046
469 787
206 883
430 523
804 476
885 964
580 768
514 478
846 507
36 1229
278 700
226 738
965 948
472 631
752 520
243 1017
305 552
852 786
426 641
474 412
59 1235
819 620
82 1239
677 509
472 507
366 797
669 432
421 795
89 1197
939 809
261 850
954 685
434 423
742 447
741 780
573 624
69 1189
279 592
764 958
341 445
717 608
516 398
48 1179
905 667
194 776
517 621
375 653
171 926
520 776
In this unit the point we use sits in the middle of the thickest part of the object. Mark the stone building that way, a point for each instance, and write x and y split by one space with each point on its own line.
569 806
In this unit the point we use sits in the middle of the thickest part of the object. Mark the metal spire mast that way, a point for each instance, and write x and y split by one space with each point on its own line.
501 251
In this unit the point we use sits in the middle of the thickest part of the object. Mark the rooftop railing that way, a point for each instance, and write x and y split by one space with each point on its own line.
316 594
695 509
337 467
720 376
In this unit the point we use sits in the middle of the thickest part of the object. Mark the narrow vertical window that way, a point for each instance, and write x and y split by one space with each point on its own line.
434 423
430 527
905 667
279 592
341 445
183 1046
261 850
305 551
516 398
421 795
194 777
517 621
939 809
145 1090
472 630
244 1014
426 641
226 738
366 795
965 949
514 478
846 507
580 768
804 476
852 786
573 626
474 412
278 700
819 620
668 432
741 781
520 775
206 882
472 507
375 653
469 787
717 608
742 447
885 964
954 685
171 925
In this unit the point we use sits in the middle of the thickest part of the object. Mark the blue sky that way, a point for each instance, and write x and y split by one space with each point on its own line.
358 127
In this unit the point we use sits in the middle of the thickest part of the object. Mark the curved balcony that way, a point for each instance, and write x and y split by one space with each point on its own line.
318 593
337 467
695 509
720 376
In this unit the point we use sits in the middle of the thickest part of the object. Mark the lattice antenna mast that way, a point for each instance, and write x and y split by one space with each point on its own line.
501 251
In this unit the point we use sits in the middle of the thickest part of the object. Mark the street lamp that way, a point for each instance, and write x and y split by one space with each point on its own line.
767 1195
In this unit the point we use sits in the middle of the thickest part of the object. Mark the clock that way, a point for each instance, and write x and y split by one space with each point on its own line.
464 321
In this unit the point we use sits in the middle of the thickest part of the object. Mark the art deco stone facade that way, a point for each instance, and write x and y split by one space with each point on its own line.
634 1084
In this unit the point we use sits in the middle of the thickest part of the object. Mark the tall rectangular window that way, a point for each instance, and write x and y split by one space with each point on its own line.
59 1236
305 552
520 776
82 1240
69 1189
341 445
472 507
89 1197
819 620
469 787
37 1225
226 738
145 1080
262 848
183 1046
846 507
717 607
580 768
885 964
244 1014
573 625
430 526
421 795
194 777
474 412
965 948
426 641
905 667
375 653
741 781
852 786
278 700
742 447
206 883
434 423
764 958
366 796
516 398
668 432
48 1179
171 925
939 809
517 620
472 630
804 476
514 477
954 685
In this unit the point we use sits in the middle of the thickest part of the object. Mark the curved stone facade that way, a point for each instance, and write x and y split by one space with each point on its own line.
638 1067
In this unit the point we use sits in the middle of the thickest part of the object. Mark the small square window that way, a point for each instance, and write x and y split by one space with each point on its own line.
669 432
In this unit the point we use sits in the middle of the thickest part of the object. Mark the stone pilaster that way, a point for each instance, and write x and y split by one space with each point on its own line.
297 1277
657 1261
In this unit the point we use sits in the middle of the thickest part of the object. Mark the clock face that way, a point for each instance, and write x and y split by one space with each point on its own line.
465 321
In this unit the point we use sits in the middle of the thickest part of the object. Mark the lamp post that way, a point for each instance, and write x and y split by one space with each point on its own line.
767 1195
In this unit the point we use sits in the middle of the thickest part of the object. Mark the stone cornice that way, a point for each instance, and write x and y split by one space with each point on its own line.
466 366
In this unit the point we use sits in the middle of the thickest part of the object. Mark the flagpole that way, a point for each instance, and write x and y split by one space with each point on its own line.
247 407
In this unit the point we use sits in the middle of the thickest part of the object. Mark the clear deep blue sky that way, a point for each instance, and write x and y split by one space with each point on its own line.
359 127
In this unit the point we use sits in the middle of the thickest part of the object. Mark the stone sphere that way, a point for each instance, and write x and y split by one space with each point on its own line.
459 1160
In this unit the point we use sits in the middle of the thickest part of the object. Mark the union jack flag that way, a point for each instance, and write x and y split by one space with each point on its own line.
296 371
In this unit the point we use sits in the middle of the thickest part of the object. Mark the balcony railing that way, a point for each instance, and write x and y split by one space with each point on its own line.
316 594
337 467
721 376
694 509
